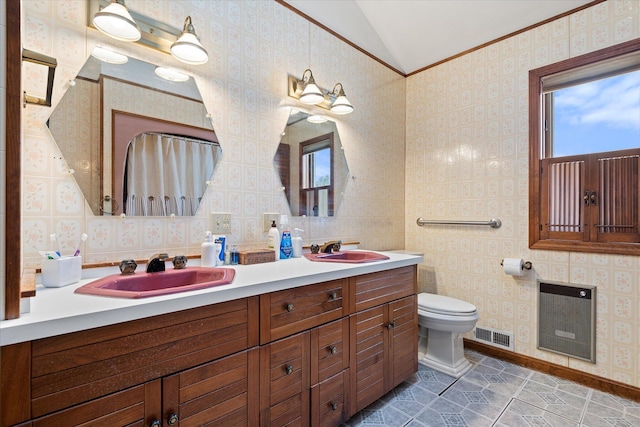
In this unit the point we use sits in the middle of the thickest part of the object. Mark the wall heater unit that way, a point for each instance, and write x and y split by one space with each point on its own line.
566 319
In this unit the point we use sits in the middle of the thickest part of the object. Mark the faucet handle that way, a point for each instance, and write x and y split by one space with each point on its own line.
128 266
179 262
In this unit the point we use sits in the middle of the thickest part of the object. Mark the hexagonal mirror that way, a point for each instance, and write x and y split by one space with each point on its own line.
311 165
137 143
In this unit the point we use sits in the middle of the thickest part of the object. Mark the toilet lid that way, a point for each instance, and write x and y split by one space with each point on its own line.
444 305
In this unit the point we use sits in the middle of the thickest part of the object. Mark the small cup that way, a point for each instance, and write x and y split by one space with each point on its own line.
60 272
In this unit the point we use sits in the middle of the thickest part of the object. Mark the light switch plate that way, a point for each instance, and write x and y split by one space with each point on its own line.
220 222
267 219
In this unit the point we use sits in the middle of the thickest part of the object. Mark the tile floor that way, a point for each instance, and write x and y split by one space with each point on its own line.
496 393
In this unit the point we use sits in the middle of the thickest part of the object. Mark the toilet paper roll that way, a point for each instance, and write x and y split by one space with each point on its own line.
513 266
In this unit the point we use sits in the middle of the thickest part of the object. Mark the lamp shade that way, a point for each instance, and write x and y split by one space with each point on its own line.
188 48
108 55
311 93
341 105
116 22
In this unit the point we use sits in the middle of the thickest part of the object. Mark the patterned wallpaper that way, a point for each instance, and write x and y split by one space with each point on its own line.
253 46
467 157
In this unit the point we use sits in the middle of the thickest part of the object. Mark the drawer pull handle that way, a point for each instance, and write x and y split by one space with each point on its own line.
289 369
391 325
155 423
333 296
173 419
289 308
334 406
333 349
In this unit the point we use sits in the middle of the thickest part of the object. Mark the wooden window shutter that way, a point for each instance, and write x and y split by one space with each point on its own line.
562 188
617 208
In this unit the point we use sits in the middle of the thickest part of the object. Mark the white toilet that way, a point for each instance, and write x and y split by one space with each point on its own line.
442 320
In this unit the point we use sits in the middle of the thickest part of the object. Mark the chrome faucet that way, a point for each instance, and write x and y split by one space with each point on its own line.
156 263
328 247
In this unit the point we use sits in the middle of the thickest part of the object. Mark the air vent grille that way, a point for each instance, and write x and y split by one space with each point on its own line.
494 337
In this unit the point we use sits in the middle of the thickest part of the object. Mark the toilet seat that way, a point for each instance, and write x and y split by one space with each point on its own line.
440 304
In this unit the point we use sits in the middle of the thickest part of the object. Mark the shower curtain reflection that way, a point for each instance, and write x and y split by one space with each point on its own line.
167 174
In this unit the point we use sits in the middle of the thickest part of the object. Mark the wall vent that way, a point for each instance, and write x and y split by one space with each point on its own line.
493 337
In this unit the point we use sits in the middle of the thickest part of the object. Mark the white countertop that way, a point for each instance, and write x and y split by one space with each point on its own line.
56 311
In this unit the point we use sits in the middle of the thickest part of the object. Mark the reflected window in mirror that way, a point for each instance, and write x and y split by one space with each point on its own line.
316 188
311 165
105 108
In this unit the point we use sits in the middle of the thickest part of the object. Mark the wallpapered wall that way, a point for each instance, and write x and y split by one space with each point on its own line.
253 46
467 157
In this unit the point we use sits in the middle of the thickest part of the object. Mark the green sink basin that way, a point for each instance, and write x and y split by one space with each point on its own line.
353 257
142 285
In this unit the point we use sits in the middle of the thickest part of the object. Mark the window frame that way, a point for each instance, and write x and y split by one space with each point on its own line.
536 133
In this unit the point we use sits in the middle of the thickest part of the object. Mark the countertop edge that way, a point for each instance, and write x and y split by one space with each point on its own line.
89 312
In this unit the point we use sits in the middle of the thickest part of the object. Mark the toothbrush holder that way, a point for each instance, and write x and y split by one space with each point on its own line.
60 272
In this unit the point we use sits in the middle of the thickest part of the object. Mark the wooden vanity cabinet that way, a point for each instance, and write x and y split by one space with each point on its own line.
384 334
78 374
309 356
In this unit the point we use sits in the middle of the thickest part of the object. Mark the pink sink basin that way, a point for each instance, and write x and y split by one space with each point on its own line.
353 257
142 285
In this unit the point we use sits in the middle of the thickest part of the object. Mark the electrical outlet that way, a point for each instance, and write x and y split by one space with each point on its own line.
220 223
267 219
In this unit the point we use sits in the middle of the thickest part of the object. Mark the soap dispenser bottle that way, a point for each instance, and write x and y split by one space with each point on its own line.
208 251
285 242
273 239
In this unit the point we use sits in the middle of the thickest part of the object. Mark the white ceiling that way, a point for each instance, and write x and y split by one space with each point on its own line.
411 34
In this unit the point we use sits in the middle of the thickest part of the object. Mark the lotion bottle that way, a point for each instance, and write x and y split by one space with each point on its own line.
208 251
273 239
296 242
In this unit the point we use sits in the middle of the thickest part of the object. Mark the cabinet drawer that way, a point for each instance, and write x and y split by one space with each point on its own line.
329 404
329 349
137 406
75 368
294 310
384 286
284 369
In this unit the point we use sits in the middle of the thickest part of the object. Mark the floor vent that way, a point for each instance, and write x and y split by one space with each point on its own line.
493 337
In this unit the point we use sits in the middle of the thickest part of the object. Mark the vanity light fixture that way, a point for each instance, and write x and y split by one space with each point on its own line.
116 22
341 105
188 48
108 55
183 45
170 74
306 90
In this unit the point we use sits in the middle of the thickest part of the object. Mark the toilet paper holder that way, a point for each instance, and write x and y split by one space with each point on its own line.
527 264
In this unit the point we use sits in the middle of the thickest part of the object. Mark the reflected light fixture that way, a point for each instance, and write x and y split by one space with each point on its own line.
108 55
314 118
311 94
341 105
188 48
116 22
170 74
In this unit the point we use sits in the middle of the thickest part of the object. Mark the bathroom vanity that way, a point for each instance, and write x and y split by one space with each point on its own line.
288 342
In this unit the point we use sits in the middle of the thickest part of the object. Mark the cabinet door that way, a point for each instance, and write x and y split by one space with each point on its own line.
369 347
285 381
384 350
403 363
220 393
329 403
136 406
